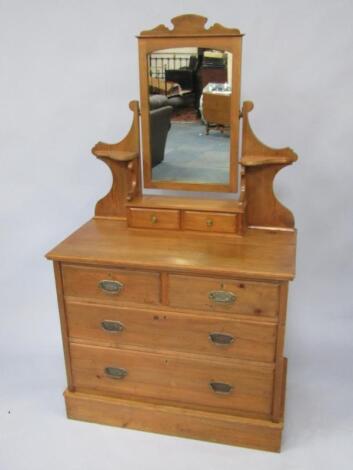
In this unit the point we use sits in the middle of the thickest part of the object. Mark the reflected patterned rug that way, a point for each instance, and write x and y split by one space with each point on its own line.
185 115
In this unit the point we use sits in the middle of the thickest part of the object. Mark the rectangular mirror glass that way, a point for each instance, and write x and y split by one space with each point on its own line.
189 93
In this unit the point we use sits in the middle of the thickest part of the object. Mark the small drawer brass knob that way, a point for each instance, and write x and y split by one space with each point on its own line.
221 388
209 223
154 219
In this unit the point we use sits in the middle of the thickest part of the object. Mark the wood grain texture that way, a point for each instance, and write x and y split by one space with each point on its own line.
209 221
263 208
174 378
173 331
261 165
138 286
123 160
164 288
284 385
63 322
167 219
259 254
209 426
251 298
187 203
280 361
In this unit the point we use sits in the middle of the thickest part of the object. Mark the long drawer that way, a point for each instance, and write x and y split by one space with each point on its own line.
111 284
221 385
223 295
114 326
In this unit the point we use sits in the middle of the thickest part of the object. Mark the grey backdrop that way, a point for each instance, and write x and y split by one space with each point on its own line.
68 70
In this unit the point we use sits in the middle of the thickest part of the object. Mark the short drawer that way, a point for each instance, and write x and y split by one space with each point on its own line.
111 285
150 218
223 295
209 221
221 385
116 326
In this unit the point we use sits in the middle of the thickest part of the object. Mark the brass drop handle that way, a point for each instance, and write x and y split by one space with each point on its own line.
115 372
110 287
221 339
154 219
222 297
221 388
112 326
209 222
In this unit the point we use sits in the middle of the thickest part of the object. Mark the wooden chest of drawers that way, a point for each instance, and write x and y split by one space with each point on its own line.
177 334
173 308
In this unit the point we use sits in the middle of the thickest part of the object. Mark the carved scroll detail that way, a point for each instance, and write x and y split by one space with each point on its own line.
190 25
261 164
123 159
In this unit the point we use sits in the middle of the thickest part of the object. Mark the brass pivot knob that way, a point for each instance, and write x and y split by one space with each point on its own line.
209 222
154 219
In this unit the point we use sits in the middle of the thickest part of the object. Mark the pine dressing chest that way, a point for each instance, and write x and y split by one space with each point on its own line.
173 308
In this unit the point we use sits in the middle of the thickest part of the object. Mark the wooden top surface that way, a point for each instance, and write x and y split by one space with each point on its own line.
169 202
110 151
256 160
260 254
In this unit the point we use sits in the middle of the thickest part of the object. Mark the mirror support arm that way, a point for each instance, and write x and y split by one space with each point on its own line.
260 165
123 159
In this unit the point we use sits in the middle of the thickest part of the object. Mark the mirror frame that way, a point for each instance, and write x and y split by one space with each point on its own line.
190 31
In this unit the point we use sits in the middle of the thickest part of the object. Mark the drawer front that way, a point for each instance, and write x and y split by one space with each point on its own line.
209 221
220 295
112 326
150 218
171 378
111 285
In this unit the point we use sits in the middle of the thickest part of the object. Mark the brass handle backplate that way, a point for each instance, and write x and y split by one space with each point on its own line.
221 388
110 287
222 297
154 219
221 339
115 372
112 326
209 222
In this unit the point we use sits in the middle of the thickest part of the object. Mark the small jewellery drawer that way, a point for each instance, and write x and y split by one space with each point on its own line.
223 385
114 326
223 295
113 285
150 218
209 221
